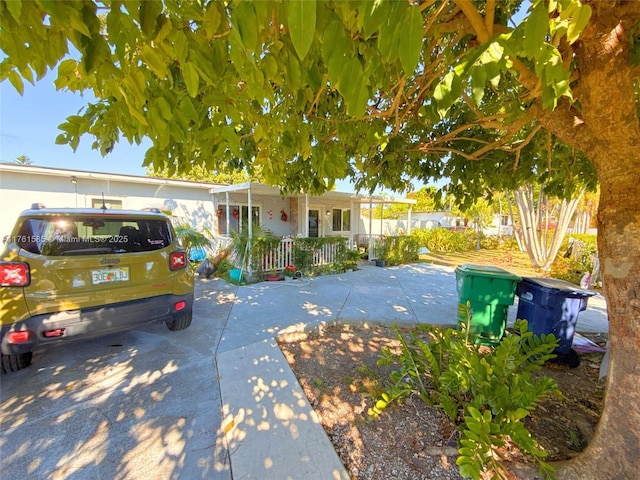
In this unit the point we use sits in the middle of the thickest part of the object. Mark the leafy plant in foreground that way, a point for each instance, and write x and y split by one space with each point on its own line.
486 392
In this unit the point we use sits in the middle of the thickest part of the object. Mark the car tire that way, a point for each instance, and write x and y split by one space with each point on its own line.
180 322
13 363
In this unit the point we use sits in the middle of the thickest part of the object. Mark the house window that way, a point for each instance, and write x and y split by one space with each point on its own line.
341 219
110 204
238 217
504 220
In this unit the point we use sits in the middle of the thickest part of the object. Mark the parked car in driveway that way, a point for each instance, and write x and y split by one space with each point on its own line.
68 274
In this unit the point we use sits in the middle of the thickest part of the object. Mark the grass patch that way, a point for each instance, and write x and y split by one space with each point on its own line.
515 262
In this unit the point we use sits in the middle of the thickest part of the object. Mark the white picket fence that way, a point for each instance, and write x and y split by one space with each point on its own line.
282 255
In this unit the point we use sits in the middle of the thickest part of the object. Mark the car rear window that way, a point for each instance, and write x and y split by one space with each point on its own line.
67 235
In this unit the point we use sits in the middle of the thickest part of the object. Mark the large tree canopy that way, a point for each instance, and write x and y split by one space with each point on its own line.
381 91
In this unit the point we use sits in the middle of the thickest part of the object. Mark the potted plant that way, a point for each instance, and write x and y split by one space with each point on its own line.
382 251
352 258
290 272
273 276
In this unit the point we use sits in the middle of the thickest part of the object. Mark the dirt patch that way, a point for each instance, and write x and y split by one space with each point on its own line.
339 374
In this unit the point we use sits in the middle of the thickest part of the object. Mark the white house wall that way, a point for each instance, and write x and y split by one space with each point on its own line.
19 190
271 209
266 204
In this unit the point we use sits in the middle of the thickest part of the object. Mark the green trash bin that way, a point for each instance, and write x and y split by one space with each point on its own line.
490 291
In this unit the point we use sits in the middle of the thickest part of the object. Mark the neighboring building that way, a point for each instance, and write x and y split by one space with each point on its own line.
444 219
214 207
501 225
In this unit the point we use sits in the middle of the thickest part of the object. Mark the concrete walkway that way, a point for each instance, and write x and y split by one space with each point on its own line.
271 430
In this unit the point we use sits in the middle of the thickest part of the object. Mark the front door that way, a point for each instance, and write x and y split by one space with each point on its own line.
314 223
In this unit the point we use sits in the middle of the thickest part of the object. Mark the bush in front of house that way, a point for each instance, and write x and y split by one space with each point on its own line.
440 240
399 250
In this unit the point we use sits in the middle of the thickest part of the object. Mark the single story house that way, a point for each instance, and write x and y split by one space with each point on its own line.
216 208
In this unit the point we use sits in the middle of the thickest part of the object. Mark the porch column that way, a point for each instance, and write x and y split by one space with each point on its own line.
306 215
228 221
249 214
351 223
370 228
409 220
250 226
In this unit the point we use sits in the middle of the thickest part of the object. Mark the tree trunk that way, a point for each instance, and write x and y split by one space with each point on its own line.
614 451
607 130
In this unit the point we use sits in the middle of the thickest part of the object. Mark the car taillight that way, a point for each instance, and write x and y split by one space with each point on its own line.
14 274
21 336
177 260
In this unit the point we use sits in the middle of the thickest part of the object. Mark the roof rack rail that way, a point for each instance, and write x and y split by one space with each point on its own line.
37 206
152 209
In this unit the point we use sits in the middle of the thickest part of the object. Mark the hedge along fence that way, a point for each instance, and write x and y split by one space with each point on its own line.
398 250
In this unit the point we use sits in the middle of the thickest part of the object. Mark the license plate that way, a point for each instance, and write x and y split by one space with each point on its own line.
110 275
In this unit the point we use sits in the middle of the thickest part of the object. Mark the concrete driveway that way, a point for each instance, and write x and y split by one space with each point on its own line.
215 401
138 404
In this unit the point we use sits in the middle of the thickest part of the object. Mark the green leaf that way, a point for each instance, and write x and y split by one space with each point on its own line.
446 92
150 10
410 42
154 60
187 109
245 17
478 80
15 8
96 52
294 72
73 17
191 79
535 30
375 13
578 22
336 51
389 34
475 413
301 18
211 20
232 139
16 81
164 107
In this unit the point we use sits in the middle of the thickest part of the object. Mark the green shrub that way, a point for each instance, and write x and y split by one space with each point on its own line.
580 252
223 268
486 392
567 269
399 250
441 240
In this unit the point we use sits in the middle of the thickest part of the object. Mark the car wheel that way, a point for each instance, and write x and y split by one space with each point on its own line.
180 322
13 363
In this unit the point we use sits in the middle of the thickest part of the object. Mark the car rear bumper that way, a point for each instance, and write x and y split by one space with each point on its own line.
92 322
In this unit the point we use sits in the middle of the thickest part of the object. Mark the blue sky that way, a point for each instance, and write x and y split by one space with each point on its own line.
29 126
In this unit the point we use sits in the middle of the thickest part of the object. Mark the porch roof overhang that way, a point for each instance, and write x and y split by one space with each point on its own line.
262 189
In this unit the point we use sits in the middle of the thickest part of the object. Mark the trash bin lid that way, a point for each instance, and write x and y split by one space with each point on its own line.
559 286
487 271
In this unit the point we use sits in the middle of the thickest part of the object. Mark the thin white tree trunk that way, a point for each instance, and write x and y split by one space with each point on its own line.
516 231
567 211
542 253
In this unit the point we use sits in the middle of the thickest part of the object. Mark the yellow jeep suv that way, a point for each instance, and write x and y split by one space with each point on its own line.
68 274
